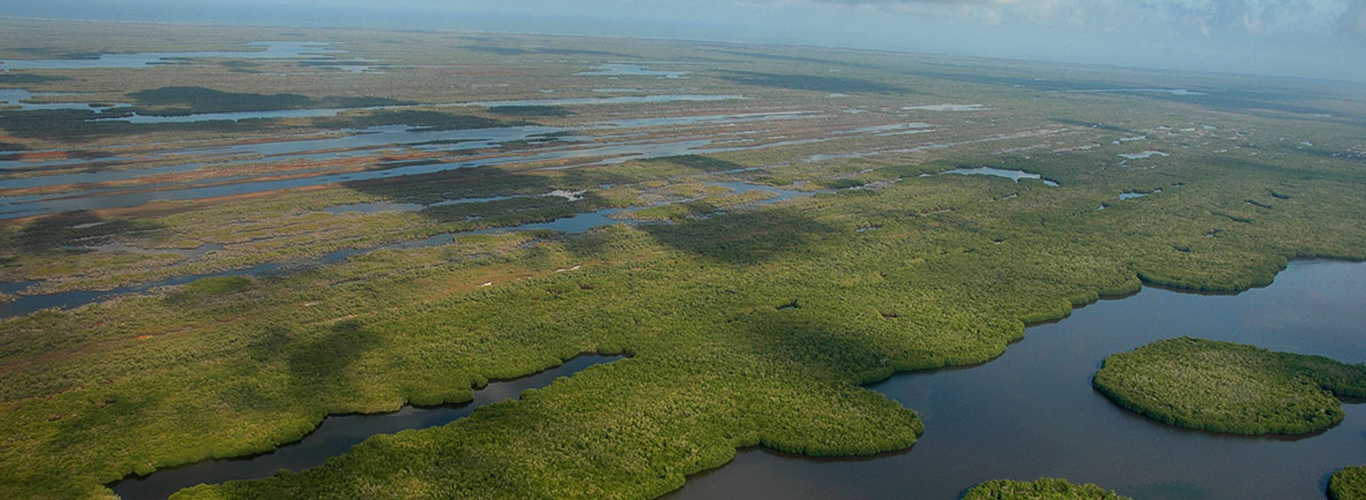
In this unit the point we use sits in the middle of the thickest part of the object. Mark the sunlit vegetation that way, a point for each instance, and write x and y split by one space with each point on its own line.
1226 387
716 365
1348 484
748 323
1042 489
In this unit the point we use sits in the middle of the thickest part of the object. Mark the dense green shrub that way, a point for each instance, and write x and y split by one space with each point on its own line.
955 268
1226 387
1042 489
1348 484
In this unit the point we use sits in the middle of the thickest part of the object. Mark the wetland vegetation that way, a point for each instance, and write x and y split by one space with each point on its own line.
1348 484
420 306
1042 489
1227 387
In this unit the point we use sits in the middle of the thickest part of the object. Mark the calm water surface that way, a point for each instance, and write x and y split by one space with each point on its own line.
1032 412
1014 175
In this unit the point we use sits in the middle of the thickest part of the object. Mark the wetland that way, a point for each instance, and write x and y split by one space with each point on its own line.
827 272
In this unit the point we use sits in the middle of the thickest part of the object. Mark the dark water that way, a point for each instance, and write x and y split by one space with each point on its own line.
1032 413
336 435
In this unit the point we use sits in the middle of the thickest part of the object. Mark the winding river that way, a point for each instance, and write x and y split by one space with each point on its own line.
336 435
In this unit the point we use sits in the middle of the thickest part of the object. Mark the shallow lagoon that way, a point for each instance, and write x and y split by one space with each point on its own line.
1014 175
1032 412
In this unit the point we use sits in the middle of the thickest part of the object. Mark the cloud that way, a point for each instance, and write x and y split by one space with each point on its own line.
1203 17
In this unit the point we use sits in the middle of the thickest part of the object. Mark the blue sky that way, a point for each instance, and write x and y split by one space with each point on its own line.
1312 38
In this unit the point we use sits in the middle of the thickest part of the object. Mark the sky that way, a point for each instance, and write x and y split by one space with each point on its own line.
1307 38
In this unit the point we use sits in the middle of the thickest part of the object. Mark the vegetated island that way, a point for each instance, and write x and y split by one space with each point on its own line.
1348 484
1232 388
956 267
1042 489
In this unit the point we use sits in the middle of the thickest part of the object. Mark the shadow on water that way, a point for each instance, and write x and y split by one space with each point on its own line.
337 434
1032 412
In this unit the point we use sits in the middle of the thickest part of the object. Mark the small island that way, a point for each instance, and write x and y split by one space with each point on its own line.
1231 388
1043 489
1348 484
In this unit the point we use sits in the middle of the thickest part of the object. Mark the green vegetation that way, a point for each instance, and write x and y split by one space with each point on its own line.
215 286
1348 484
956 268
1226 387
716 365
1042 489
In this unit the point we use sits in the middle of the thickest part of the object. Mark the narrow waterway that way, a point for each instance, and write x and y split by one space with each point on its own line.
336 435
